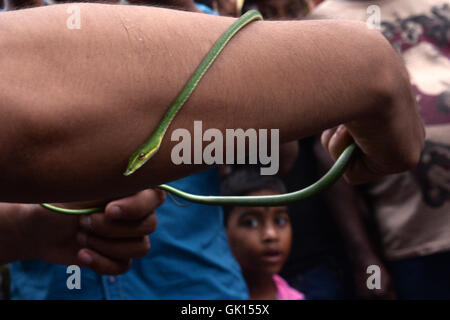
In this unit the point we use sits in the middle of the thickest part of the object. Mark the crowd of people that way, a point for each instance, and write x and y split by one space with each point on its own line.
316 249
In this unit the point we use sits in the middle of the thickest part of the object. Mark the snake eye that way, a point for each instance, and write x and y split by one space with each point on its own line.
141 156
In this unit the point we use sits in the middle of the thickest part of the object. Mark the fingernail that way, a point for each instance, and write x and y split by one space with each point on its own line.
82 238
340 129
115 212
85 257
86 222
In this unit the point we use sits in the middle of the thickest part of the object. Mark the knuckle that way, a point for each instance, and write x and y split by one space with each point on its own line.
153 223
97 222
146 245
149 193
149 224
323 139
143 248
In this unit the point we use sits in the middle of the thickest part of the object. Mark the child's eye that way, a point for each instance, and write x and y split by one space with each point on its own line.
250 223
281 221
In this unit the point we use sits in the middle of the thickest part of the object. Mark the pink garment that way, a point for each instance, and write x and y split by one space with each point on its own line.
284 291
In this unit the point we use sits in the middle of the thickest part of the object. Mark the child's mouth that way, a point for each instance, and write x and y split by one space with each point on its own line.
272 256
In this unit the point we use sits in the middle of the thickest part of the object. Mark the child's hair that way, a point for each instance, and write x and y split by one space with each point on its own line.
245 180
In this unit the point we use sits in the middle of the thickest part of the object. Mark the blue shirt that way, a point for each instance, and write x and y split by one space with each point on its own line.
189 259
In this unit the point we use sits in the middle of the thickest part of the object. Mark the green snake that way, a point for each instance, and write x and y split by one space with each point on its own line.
152 145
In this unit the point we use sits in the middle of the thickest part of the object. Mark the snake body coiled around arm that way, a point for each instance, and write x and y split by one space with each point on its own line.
152 145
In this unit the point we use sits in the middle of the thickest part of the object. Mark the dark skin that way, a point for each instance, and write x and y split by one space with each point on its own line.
71 127
260 239
104 242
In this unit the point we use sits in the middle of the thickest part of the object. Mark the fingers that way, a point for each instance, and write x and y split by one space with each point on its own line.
130 217
111 239
326 136
336 140
116 249
101 264
97 224
135 207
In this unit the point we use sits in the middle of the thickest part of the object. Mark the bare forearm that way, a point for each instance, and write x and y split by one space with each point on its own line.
75 104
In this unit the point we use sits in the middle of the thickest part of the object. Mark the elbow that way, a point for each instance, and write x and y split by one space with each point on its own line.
396 102
390 104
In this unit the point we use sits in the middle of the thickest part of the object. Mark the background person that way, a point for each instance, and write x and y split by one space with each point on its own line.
259 237
318 265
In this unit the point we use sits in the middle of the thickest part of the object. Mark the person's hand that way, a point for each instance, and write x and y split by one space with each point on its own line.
391 136
105 242
386 146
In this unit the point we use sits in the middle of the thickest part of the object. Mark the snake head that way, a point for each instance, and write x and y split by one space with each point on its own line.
140 157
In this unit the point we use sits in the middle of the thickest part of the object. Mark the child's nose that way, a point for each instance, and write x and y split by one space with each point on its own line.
270 233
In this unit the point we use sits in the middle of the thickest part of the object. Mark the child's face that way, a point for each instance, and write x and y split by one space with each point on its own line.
281 9
260 237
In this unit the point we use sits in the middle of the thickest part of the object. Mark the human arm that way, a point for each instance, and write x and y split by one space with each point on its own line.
104 242
77 103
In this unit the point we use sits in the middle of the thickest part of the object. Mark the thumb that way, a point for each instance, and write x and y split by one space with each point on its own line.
340 140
